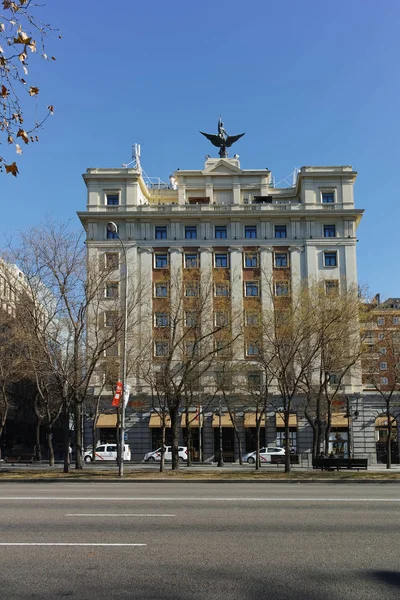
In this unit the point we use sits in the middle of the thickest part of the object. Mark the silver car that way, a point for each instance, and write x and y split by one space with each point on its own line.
265 454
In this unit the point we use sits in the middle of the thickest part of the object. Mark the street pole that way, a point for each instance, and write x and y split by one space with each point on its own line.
220 457
349 432
125 389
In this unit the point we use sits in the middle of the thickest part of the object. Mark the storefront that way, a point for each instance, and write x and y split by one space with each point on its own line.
250 432
224 432
339 435
280 431
194 441
381 436
155 424
106 426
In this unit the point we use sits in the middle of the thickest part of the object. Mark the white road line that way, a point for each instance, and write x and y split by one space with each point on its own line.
62 544
115 515
195 499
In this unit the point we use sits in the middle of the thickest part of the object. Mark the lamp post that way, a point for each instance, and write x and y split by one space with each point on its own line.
220 456
111 226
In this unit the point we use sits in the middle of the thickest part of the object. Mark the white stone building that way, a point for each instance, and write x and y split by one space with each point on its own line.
223 216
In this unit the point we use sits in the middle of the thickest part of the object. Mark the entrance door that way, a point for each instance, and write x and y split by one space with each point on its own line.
381 435
228 443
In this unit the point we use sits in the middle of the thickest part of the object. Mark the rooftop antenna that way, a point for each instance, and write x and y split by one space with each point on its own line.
289 181
135 162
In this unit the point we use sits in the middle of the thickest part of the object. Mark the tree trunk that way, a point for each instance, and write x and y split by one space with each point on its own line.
37 455
51 448
162 461
188 438
66 437
235 429
93 438
287 442
315 452
389 441
1 433
174 447
78 436
258 462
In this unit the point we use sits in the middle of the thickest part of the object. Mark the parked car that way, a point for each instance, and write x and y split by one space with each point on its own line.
265 454
106 452
156 454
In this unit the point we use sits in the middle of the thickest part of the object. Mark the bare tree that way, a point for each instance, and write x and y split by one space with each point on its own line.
288 342
187 345
336 328
67 315
10 365
22 35
381 363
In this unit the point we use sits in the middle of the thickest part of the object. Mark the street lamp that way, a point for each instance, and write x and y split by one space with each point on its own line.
220 456
111 226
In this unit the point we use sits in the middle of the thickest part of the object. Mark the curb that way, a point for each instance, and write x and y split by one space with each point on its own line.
217 481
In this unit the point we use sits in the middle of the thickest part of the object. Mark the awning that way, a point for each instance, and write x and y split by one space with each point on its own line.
225 421
281 423
156 421
107 420
250 420
383 422
339 420
195 420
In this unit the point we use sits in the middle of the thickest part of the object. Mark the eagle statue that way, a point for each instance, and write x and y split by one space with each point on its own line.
222 140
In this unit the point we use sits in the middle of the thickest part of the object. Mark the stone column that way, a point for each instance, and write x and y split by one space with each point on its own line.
267 284
206 283
209 190
175 288
295 268
135 293
145 282
207 292
182 193
236 285
236 192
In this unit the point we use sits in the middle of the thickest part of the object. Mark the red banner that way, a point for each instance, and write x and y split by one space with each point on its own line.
117 395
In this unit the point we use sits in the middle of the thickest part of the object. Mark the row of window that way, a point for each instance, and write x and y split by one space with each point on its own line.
381 321
221 232
394 337
112 198
251 260
221 260
222 348
192 289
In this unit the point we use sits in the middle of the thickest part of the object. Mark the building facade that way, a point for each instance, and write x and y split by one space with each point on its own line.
233 228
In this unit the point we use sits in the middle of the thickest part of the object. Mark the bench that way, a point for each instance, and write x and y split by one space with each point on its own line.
329 464
19 458
279 459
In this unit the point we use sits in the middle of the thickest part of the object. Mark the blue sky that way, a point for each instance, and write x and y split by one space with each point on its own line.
310 82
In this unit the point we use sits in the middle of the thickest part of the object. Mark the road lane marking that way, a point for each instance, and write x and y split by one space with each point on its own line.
195 499
115 515
63 544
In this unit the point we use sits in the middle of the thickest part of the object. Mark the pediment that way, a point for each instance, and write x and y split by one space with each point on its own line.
222 167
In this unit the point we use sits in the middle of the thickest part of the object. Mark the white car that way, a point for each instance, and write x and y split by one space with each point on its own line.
265 454
106 452
156 454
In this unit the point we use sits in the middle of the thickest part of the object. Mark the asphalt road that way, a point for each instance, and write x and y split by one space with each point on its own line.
199 541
